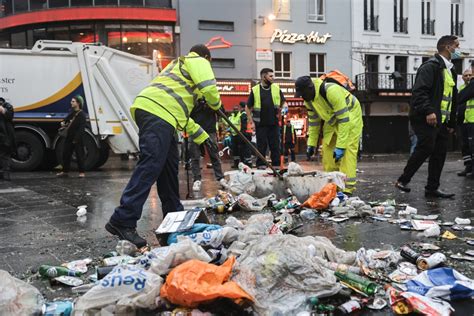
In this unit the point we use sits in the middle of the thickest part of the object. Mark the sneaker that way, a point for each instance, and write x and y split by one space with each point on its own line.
126 233
62 174
197 185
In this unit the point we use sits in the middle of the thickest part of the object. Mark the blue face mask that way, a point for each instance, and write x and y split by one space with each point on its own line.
456 54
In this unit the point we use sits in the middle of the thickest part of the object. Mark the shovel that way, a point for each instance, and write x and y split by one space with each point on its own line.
249 143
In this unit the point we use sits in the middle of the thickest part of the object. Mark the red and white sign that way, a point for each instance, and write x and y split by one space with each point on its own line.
264 54
234 87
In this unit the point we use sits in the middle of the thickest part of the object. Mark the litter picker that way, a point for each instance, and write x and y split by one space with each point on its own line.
248 142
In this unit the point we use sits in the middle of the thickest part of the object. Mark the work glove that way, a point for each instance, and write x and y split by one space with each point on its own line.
338 154
201 105
211 146
309 152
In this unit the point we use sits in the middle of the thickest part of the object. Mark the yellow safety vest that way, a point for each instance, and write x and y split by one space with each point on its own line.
469 112
292 130
447 100
172 93
257 103
342 115
234 118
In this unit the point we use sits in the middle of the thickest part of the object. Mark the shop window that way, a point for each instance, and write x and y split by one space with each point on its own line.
114 37
18 40
282 65
216 25
316 11
106 2
134 39
60 33
58 3
281 9
160 38
4 40
158 3
21 6
7 7
81 3
223 62
317 65
38 5
134 3
82 33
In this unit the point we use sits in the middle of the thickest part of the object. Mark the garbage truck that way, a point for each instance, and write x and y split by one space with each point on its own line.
40 83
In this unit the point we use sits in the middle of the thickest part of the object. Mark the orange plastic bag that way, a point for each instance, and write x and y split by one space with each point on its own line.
320 200
195 282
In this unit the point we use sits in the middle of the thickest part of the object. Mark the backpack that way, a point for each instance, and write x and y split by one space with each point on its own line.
335 76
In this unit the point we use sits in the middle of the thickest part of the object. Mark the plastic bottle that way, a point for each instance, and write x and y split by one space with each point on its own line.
53 272
358 282
124 247
307 214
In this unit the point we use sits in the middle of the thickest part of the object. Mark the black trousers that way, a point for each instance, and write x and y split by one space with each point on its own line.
269 136
290 150
467 143
433 144
5 159
69 148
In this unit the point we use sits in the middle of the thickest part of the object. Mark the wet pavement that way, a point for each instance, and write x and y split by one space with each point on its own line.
38 222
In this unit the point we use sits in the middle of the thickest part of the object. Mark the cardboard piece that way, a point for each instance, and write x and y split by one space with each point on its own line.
181 221
422 224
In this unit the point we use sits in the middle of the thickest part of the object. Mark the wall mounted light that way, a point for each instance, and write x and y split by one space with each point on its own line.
387 63
265 19
415 63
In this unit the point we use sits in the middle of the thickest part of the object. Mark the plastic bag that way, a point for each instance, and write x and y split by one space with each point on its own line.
214 238
241 181
18 297
166 258
282 271
295 169
195 282
127 287
323 198
196 228
444 283
249 203
231 221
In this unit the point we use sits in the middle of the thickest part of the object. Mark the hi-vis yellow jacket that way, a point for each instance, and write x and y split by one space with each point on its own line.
172 94
342 115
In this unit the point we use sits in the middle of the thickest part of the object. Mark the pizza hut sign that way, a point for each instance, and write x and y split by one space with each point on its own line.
291 38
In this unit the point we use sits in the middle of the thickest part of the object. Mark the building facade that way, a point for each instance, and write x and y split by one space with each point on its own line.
390 40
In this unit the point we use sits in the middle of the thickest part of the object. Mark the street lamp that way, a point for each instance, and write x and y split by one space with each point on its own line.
264 19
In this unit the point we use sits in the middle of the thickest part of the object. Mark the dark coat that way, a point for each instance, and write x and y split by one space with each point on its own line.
428 89
7 132
77 127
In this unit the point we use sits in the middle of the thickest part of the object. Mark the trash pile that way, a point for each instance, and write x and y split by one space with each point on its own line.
258 266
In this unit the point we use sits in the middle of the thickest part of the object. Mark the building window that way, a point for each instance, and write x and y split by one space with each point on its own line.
457 25
158 3
427 14
134 39
223 62
105 2
160 38
132 3
316 11
114 36
281 9
58 3
216 25
18 40
282 65
38 5
82 33
81 3
60 33
400 21
317 64
21 6
371 18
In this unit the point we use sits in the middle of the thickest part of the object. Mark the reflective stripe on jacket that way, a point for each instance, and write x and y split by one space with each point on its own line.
447 95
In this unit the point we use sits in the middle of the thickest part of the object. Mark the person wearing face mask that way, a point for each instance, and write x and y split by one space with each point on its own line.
342 116
76 125
265 101
466 96
463 124
433 116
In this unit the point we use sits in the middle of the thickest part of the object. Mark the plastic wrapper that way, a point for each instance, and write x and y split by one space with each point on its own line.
374 259
444 283
196 282
126 288
196 228
323 198
249 203
231 221
18 297
282 271
295 169
214 238
165 258
242 181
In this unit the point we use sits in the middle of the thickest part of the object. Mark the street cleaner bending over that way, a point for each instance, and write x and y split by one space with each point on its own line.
342 116
159 110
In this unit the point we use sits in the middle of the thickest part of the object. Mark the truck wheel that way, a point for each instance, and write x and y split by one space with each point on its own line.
103 154
29 151
90 150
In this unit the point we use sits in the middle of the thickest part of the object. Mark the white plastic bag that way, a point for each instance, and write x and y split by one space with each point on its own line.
214 238
249 203
18 297
126 286
241 181
166 258
295 169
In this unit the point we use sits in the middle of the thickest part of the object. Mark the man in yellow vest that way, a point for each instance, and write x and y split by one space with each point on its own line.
265 101
159 110
464 127
466 95
433 116
342 116
235 118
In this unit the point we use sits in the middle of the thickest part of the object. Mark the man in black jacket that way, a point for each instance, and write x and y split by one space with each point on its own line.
7 138
466 97
433 116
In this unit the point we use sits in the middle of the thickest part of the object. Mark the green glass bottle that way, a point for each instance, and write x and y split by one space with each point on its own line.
358 282
53 272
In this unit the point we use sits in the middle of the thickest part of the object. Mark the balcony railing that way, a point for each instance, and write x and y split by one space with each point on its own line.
428 27
372 24
457 29
401 26
376 81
